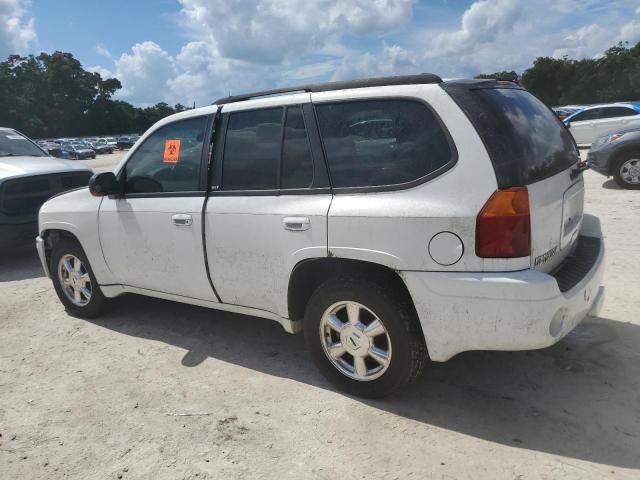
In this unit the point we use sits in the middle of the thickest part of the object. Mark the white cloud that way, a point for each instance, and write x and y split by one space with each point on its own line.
482 23
273 31
104 73
17 32
630 32
145 73
102 50
243 45
586 42
240 45
393 60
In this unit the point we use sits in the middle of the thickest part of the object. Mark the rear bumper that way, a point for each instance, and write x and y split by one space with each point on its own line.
507 311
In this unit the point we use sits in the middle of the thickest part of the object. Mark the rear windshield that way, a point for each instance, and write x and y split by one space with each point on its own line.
525 140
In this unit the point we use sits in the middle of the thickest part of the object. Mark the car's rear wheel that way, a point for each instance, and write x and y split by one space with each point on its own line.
364 337
626 171
74 281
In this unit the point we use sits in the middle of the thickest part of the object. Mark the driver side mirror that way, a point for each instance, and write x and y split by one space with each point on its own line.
103 184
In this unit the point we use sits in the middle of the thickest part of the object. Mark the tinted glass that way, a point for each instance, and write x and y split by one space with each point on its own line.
252 150
297 163
381 142
169 160
612 112
525 140
593 114
13 144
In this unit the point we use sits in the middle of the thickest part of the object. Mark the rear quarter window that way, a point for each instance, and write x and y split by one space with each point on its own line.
377 143
524 138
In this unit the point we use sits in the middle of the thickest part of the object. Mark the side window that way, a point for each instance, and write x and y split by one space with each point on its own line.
252 150
381 142
613 112
593 114
297 162
169 160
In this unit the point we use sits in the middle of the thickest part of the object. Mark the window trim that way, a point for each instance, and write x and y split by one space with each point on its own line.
313 160
216 189
226 116
201 192
453 160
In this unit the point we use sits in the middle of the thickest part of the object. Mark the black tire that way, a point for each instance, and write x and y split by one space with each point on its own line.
98 303
408 349
617 166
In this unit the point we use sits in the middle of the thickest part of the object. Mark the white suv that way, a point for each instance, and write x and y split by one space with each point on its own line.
395 219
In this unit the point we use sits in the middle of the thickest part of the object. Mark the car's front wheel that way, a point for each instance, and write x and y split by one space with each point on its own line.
74 281
364 337
626 171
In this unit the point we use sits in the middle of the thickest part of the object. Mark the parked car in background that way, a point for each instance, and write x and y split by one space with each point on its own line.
124 143
564 112
617 155
100 147
592 122
77 151
28 177
111 141
339 211
53 149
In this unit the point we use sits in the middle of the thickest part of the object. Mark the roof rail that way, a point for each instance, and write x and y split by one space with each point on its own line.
342 85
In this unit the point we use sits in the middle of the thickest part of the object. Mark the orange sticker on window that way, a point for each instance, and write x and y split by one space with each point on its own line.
171 151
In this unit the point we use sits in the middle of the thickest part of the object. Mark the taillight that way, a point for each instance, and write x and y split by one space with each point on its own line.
503 226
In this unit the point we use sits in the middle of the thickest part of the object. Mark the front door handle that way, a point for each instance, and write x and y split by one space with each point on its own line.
182 219
296 223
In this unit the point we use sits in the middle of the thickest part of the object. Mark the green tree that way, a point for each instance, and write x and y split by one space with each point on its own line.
614 76
511 76
51 95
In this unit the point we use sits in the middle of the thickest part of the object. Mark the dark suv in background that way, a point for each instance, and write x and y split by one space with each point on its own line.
617 155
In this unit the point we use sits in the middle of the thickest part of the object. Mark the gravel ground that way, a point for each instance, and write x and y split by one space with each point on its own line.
163 390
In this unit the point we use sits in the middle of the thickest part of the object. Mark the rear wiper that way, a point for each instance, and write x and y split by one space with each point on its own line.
8 155
580 167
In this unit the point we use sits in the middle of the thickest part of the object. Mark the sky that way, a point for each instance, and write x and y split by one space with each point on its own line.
198 50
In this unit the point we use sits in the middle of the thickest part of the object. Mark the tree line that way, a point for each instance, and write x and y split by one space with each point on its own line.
51 95
612 77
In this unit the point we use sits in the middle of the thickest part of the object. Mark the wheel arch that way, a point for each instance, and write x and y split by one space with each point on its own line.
309 274
52 233
620 154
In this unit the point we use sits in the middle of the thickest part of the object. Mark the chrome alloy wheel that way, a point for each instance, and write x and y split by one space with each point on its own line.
630 171
355 341
74 280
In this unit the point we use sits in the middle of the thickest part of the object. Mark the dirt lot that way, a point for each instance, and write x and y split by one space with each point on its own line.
162 390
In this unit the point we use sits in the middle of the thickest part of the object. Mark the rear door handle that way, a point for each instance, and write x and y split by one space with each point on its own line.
182 219
296 223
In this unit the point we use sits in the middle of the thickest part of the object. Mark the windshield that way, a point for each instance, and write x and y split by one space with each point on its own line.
525 140
13 144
